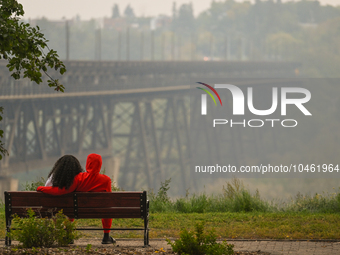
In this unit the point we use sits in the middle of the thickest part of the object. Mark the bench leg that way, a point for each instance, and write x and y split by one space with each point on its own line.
8 240
146 226
146 237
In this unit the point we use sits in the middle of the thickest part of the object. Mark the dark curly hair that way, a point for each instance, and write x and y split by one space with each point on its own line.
64 171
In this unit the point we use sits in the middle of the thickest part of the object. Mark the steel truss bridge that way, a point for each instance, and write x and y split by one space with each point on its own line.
135 114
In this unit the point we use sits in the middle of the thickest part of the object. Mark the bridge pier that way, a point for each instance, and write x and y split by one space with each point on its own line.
111 166
7 183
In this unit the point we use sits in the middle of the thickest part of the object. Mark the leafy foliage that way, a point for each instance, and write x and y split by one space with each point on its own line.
23 46
43 232
88 248
115 187
3 151
200 243
319 203
161 202
32 186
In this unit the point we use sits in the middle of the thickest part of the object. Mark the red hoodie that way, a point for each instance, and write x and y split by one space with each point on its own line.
88 181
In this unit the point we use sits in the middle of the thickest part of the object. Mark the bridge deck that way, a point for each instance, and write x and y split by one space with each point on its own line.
84 76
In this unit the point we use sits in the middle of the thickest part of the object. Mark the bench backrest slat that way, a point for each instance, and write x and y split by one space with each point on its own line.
119 199
38 199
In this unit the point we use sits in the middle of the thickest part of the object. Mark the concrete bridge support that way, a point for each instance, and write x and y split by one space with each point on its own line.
7 183
111 166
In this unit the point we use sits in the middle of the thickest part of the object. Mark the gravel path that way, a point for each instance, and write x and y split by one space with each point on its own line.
160 246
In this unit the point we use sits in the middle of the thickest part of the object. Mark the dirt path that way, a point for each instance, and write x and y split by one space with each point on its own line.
160 246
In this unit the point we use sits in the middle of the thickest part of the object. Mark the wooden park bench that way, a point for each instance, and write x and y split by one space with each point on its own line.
80 205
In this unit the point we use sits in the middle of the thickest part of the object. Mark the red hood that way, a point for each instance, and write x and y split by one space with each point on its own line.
93 163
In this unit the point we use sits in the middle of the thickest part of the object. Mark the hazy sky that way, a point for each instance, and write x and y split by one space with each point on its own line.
88 9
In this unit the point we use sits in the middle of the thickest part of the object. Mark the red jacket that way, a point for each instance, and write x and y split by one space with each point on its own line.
91 180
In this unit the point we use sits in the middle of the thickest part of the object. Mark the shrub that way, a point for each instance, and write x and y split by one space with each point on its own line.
114 186
43 232
32 186
200 243
326 203
161 202
241 200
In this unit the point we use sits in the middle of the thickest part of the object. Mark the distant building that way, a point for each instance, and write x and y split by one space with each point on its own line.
119 23
161 21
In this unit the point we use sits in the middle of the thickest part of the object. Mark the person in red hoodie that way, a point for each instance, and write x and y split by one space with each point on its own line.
88 181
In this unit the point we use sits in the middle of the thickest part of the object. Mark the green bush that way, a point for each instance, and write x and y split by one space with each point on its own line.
43 232
32 186
241 200
200 243
326 203
161 202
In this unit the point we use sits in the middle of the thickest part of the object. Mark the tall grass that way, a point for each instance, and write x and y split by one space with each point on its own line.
2 219
319 203
236 197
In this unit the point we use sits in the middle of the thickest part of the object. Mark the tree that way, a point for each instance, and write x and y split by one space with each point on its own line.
183 19
129 13
24 47
115 11
174 10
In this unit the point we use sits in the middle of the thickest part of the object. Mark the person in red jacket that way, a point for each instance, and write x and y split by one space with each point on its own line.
88 181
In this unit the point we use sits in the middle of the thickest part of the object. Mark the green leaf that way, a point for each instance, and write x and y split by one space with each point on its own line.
62 70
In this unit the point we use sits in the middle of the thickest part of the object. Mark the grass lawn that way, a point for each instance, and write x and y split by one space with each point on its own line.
234 214
250 225
232 225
